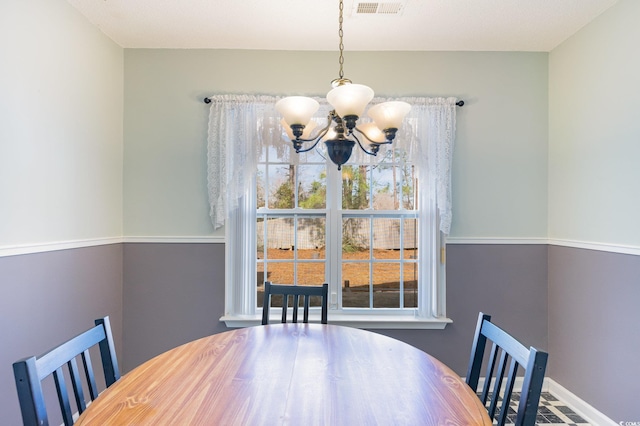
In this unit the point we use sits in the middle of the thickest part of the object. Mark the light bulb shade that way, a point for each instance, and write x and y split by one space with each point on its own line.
297 109
350 99
331 134
306 133
372 132
389 115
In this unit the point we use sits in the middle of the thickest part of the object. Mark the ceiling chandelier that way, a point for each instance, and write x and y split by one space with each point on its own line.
349 102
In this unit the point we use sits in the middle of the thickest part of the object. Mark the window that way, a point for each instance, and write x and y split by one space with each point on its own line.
370 230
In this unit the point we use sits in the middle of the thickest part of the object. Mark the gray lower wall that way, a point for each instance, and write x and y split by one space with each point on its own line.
581 305
174 293
594 333
507 281
48 298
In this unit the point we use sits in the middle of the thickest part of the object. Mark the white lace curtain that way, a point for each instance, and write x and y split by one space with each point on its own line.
239 125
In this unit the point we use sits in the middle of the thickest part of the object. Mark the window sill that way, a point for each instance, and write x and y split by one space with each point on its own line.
397 322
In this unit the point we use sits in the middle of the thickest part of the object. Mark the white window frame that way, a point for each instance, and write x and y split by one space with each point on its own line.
430 313
239 222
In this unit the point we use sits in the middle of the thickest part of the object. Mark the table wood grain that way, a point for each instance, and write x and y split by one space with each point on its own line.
294 374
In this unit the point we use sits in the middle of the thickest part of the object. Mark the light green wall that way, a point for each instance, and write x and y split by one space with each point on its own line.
500 166
61 109
594 131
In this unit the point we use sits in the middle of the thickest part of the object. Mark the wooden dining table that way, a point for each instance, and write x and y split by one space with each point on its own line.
289 374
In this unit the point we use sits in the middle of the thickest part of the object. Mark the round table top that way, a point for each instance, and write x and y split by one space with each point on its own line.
298 374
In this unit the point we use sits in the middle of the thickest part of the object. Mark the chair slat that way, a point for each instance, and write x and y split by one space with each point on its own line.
76 383
63 397
307 300
493 358
508 390
285 306
497 384
296 301
88 372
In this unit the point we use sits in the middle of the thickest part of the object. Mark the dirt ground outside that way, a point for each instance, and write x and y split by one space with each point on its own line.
356 291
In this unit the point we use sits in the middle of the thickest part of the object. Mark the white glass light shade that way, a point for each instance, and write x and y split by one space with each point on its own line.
297 109
350 99
372 132
330 135
306 133
389 115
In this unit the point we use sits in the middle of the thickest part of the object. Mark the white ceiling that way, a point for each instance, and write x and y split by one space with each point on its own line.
421 25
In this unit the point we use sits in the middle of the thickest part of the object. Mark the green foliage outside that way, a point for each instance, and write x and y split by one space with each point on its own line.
355 196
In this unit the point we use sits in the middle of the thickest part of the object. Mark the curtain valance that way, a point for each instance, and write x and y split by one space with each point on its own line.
239 126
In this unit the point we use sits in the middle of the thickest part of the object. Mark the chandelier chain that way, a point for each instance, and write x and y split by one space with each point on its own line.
341 45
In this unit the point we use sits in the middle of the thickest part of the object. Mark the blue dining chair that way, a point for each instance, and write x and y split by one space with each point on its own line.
506 350
296 291
29 373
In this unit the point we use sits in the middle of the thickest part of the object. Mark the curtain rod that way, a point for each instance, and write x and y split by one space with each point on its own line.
459 103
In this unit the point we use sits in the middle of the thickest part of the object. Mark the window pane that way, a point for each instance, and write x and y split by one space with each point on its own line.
386 238
410 238
281 187
410 285
408 192
312 187
260 185
260 286
260 238
385 187
355 187
316 254
280 272
311 273
355 285
355 238
386 284
260 278
280 238
280 150
311 237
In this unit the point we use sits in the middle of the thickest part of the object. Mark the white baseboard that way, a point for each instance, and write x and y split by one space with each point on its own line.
586 411
582 408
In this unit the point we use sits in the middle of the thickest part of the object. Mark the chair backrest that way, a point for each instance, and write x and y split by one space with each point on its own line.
29 373
296 291
506 350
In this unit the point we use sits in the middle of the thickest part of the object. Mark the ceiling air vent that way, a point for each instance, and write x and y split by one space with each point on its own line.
378 8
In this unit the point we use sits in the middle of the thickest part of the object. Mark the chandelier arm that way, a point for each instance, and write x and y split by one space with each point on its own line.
317 137
386 142
300 150
374 148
